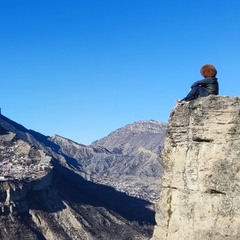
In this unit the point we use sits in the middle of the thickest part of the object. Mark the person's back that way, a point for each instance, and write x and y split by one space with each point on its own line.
210 84
212 87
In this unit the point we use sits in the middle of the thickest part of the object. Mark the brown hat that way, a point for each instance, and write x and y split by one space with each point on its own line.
208 70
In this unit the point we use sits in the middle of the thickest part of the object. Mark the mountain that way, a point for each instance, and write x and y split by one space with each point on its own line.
132 138
200 196
128 159
47 190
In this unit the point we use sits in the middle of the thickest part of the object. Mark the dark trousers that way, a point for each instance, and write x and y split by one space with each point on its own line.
196 92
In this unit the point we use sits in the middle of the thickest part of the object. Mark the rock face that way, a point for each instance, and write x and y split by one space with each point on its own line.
200 196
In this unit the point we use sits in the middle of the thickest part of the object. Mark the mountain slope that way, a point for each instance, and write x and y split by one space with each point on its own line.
68 206
132 138
128 159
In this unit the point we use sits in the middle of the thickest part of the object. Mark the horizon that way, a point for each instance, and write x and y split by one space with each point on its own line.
56 134
83 69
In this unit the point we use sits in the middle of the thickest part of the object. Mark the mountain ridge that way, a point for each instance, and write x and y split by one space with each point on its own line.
140 129
71 205
128 159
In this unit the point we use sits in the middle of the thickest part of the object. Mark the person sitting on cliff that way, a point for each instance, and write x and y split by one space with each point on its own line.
204 87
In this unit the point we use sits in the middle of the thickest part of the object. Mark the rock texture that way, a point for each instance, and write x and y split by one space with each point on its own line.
200 196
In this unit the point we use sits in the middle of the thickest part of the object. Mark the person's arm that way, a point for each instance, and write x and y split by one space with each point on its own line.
201 82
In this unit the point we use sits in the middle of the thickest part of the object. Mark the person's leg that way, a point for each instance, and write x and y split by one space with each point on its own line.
203 92
194 93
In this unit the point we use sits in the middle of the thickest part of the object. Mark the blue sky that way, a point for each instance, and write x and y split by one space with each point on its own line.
84 68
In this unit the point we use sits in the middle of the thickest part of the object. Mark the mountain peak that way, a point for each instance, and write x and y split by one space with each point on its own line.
150 134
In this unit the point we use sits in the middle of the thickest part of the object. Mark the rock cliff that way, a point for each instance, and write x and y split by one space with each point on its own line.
200 197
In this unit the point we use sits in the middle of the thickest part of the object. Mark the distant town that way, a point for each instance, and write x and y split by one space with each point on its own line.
19 160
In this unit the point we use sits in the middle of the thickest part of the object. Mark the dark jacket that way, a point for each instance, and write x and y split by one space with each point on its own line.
210 84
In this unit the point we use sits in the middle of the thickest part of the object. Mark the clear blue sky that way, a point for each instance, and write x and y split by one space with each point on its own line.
84 68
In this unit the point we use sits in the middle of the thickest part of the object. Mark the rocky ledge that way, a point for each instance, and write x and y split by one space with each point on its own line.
200 196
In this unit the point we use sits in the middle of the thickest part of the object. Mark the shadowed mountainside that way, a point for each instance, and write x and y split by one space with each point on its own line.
69 206
128 159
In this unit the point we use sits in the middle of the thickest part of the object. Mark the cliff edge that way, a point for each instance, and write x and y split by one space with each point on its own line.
200 196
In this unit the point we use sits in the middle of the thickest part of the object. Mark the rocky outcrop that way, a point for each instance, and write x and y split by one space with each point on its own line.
200 196
14 194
